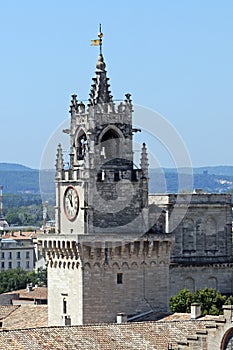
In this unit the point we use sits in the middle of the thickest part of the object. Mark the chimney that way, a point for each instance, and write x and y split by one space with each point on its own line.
195 311
121 318
29 287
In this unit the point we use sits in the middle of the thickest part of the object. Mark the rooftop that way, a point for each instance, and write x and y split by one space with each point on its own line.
34 293
140 336
19 235
6 311
25 317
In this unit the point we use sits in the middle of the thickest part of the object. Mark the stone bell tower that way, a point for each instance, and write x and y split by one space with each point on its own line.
102 260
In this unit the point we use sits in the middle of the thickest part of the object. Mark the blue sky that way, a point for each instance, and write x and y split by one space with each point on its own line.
174 57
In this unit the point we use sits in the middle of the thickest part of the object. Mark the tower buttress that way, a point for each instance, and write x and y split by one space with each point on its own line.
59 163
144 164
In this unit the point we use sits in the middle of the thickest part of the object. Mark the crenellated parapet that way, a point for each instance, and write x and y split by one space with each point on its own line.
65 252
131 255
61 253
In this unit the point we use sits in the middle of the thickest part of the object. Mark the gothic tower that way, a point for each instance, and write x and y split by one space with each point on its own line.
103 259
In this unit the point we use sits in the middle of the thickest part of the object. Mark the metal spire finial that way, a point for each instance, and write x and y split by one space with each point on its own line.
100 36
98 42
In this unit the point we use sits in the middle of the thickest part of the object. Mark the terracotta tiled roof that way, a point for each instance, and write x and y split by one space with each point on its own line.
7 310
19 235
26 316
130 336
186 317
36 293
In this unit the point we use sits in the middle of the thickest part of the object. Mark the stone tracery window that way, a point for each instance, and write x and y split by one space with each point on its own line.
212 283
189 239
210 234
189 284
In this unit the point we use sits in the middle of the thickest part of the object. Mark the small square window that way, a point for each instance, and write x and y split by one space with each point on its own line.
119 278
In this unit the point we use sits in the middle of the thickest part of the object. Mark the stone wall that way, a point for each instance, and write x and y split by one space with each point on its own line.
204 233
193 277
143 270
65 287
94 280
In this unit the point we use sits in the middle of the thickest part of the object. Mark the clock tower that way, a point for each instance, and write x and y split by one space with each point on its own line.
102 191
102 260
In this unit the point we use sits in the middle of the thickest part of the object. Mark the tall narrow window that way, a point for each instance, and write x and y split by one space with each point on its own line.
119 278
64 306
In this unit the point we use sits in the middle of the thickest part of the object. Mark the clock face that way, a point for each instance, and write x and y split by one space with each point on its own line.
71 203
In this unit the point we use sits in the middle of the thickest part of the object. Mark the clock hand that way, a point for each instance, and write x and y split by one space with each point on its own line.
70 199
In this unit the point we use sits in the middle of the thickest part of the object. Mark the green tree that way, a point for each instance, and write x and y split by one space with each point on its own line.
38 277
12 217
14 279
181 302
229 300
211 301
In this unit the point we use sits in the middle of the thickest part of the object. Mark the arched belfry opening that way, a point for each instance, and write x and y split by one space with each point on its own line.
81 145
110 144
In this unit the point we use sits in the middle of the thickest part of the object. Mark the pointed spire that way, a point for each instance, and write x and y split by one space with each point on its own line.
128 101
59 161
100 92
73 104
144 164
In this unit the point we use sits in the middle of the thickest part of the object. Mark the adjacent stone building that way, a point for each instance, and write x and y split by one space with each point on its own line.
202 254
117 249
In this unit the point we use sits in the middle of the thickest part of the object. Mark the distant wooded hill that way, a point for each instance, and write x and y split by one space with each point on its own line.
18 179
